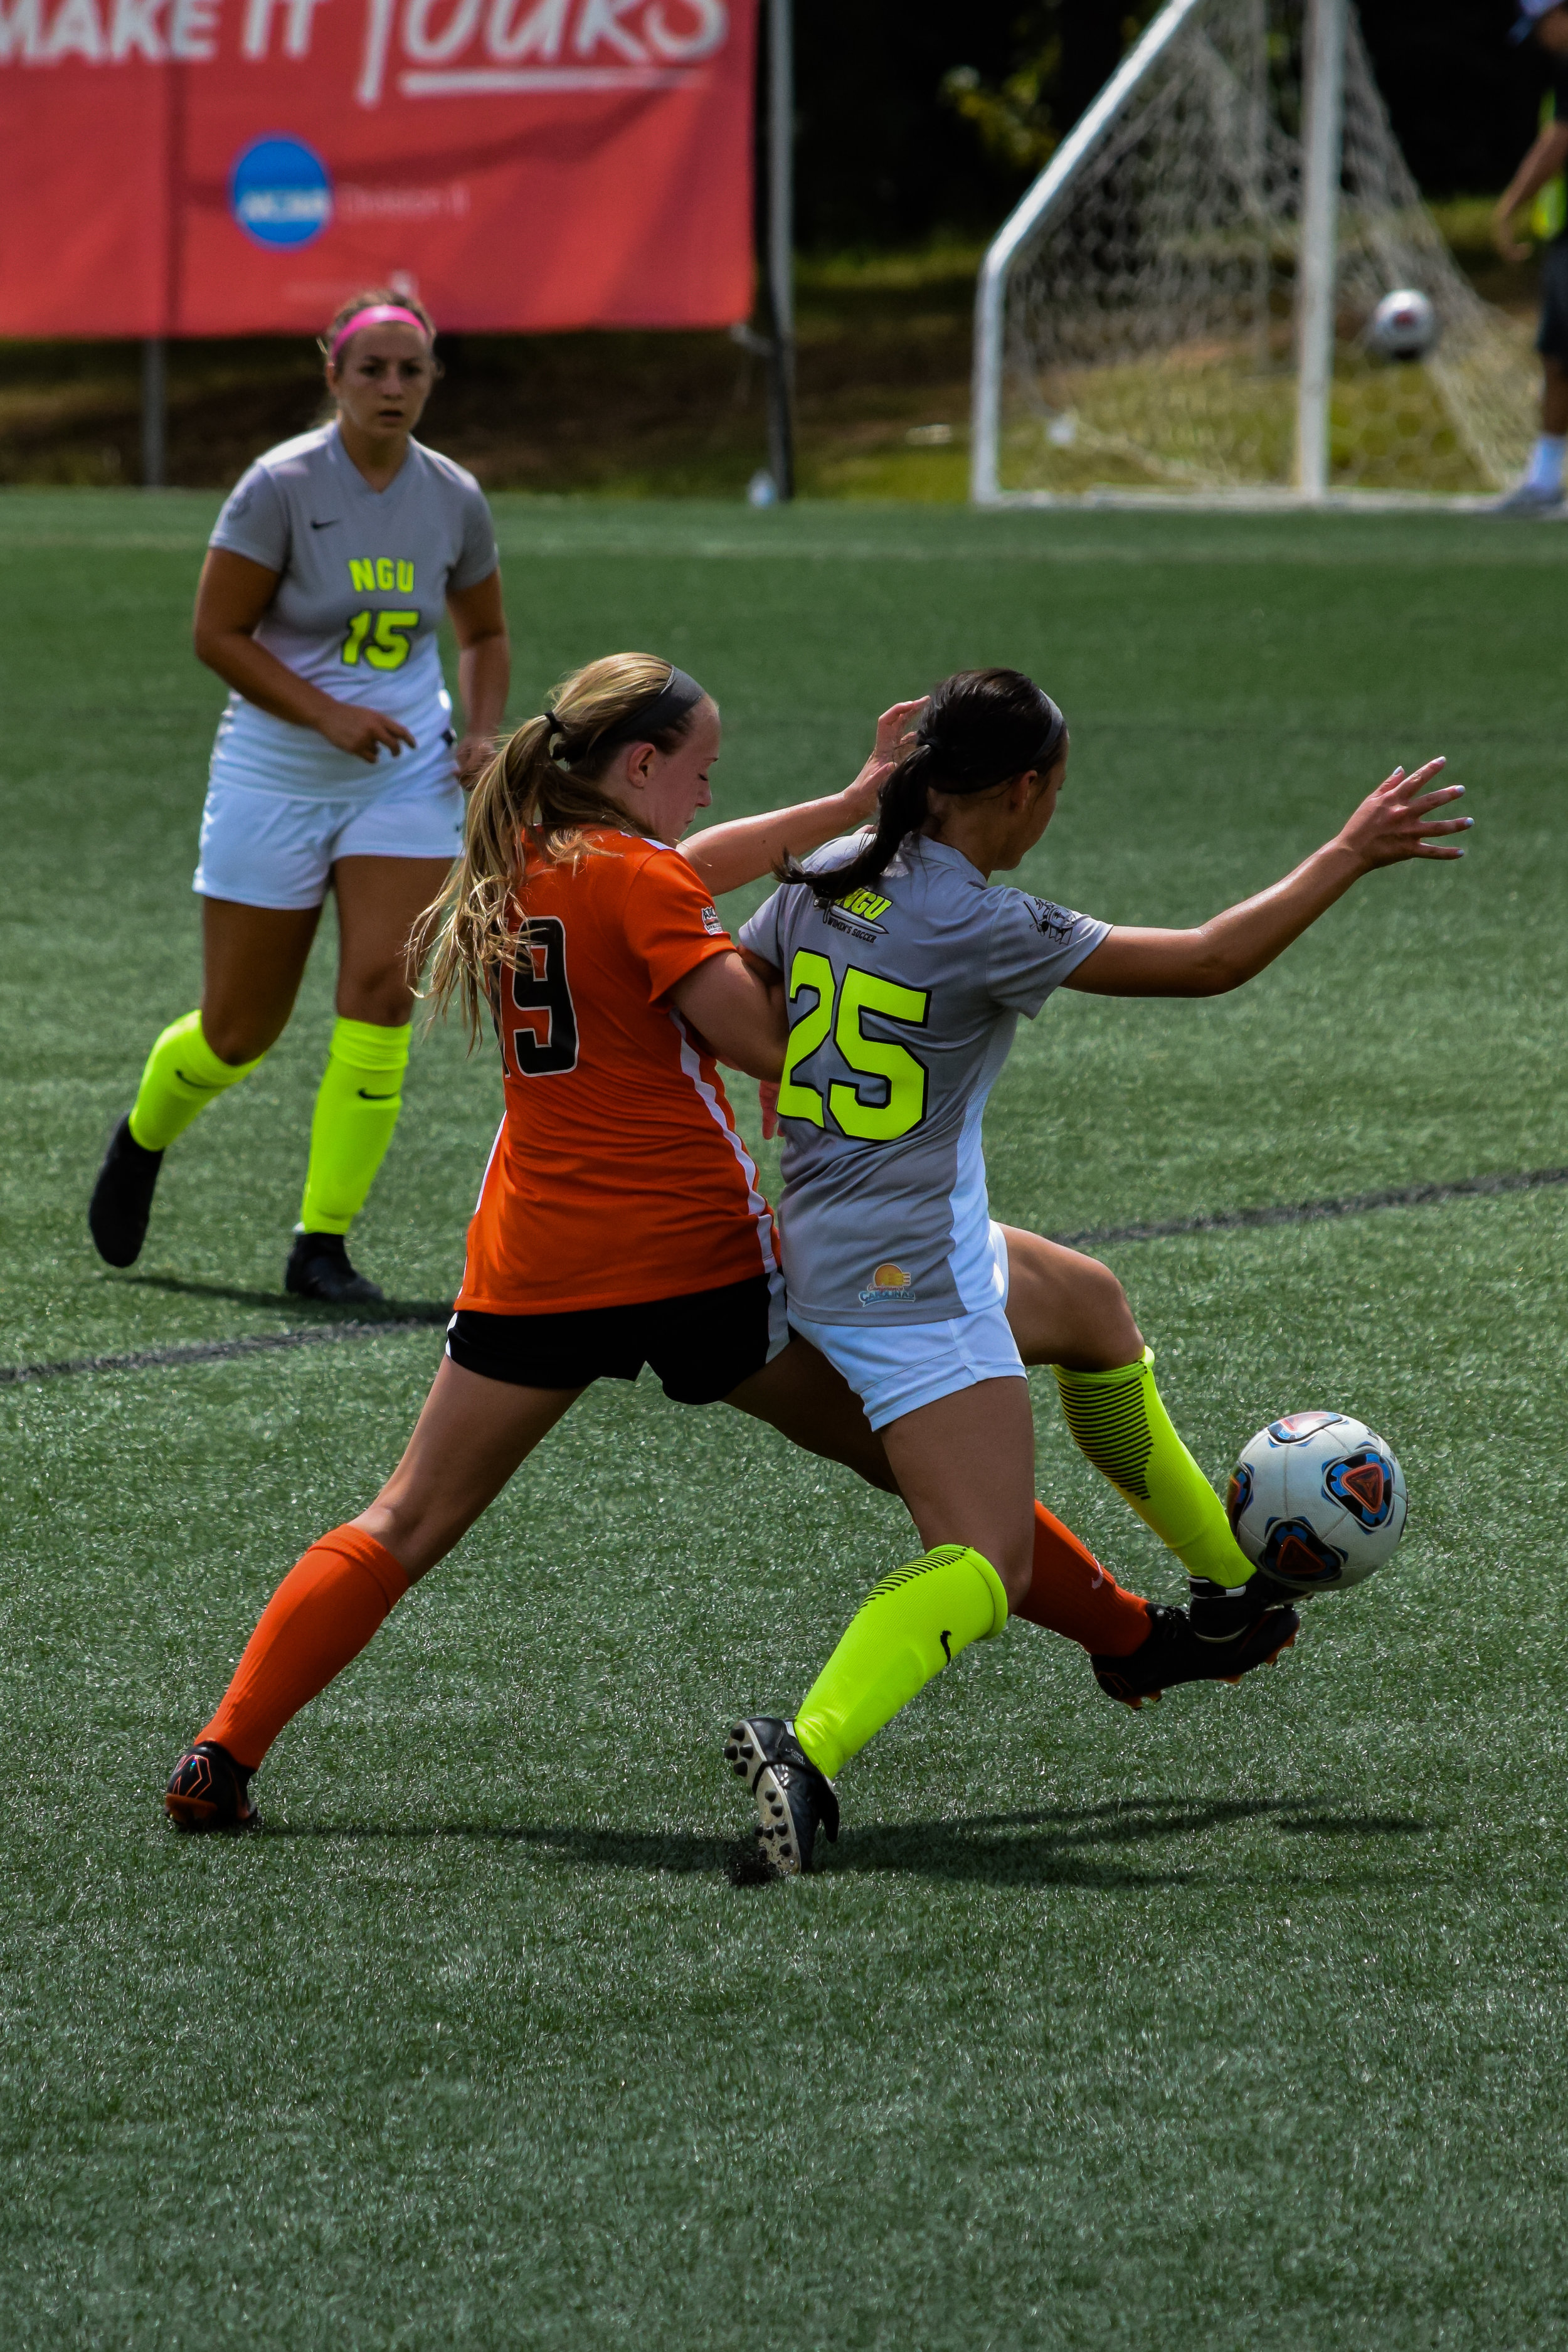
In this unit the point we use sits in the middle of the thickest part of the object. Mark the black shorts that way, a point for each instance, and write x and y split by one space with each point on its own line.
1551 337
702 1346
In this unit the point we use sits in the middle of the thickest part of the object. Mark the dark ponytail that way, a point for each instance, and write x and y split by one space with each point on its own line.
980 728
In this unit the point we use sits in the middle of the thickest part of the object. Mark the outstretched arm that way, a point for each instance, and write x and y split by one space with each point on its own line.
1391 825
727 855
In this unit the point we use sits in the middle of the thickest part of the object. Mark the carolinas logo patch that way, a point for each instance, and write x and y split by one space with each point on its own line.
888 1281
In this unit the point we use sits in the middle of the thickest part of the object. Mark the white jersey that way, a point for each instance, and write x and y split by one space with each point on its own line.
903 999
363 580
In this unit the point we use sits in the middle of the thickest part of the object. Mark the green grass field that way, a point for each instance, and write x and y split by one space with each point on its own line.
1235 2023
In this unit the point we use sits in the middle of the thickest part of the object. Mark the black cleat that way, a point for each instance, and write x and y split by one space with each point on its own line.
319 1267
793 1798
207 1790
121 1199
1225 1612
1173 1652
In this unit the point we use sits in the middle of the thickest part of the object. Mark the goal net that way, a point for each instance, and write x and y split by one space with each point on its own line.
1139 323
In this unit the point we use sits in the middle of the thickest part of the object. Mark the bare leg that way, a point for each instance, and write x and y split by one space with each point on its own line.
379 901
1554 398
1066 1309
806 1399
471 1437
965 1467
253 959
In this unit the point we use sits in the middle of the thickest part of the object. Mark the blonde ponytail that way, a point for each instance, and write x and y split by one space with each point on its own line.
541 792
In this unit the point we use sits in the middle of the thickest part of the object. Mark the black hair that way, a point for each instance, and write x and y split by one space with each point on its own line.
980 728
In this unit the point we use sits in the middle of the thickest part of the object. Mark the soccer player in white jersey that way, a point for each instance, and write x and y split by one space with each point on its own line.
906 969
338 766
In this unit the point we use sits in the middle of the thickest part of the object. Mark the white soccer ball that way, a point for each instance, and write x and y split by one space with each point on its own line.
1317 1499
1403 326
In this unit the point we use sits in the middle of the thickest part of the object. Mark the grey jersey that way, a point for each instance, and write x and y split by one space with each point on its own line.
903 1002
365 576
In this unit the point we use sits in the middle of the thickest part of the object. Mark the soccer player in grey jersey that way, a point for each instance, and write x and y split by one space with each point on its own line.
905 972
337 765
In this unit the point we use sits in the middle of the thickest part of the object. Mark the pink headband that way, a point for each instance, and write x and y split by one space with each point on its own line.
380 314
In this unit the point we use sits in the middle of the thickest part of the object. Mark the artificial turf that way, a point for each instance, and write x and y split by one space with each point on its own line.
1232 2023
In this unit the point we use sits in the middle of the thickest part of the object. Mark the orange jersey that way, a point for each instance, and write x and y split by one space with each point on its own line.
617 1175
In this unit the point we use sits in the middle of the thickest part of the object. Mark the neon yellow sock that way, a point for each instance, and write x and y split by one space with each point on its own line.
357 1105
182 1075
910 1626
1118 1421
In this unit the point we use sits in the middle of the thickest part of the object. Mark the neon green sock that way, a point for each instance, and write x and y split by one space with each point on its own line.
182 1075
1118 1421
357 1105
910 1626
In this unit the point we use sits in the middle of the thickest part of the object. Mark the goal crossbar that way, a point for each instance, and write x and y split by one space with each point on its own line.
1186 294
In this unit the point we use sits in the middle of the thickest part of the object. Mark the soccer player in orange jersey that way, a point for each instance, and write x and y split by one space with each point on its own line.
621 1221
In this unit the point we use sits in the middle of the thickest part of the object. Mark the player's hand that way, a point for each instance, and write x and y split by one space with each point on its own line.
364 734
1399 820
473 756
895 736
768 1096
1513 248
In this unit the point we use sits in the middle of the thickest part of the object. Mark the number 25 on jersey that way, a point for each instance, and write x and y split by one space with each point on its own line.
836 1012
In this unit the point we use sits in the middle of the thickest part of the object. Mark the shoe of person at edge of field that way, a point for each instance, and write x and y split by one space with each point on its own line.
319 1267
208 1790
121 1199
1173 1653
794 1800
1528 499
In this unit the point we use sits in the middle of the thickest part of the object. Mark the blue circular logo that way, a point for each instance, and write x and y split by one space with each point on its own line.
280 193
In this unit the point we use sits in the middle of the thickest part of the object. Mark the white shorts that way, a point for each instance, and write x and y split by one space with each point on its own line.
895 1368
277 849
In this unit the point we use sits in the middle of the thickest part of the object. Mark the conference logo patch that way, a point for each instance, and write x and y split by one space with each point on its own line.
280 193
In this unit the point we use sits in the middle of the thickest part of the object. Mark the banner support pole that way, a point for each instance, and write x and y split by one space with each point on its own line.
780 245
154 412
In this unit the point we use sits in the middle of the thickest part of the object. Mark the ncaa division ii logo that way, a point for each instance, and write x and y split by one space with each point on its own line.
280 193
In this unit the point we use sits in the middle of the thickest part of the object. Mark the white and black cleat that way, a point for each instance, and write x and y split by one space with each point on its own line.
794 1800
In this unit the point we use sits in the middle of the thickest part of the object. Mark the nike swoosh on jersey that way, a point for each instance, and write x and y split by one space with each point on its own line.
331 520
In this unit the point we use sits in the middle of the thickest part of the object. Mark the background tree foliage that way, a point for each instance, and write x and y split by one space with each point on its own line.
917 121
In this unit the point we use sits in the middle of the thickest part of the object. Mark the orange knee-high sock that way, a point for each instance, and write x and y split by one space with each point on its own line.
1072 1594
321 1615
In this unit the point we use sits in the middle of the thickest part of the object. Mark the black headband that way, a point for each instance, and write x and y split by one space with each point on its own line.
1051 741
675 697
1041 759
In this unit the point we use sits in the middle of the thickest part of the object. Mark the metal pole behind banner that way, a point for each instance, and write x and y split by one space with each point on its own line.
780 245
154 412
1323 105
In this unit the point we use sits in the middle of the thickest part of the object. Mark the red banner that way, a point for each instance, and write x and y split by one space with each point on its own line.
226 167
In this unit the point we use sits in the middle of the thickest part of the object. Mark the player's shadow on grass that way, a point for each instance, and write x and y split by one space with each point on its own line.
1059 1846
675 1850
308 1310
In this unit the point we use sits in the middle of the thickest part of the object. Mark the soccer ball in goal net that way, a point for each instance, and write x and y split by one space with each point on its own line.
1195 295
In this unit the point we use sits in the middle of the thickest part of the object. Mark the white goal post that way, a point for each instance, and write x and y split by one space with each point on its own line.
1179 304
